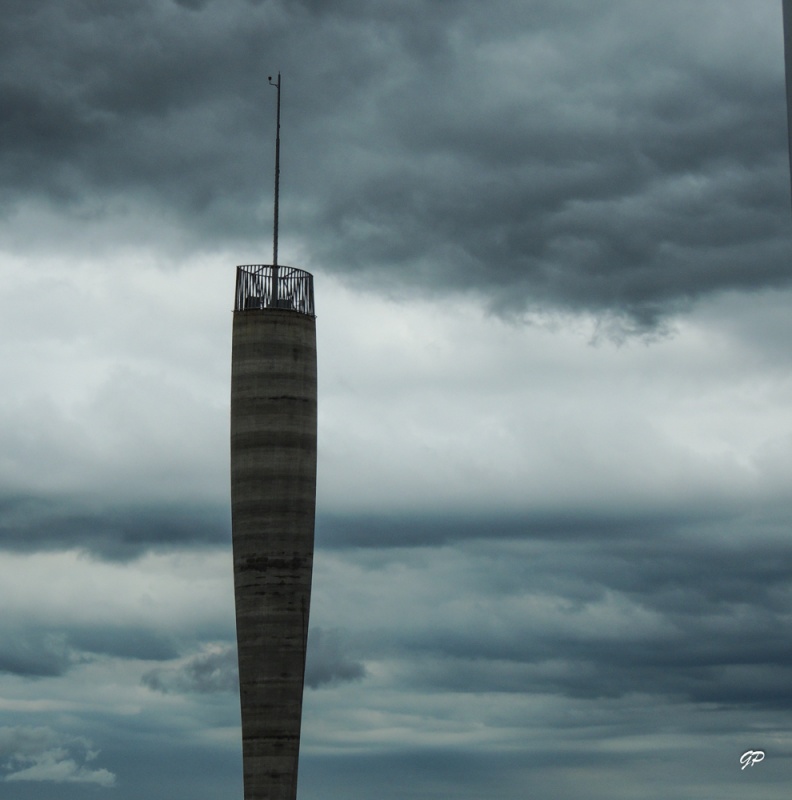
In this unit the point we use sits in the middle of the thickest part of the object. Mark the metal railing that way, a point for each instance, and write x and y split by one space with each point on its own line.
293 288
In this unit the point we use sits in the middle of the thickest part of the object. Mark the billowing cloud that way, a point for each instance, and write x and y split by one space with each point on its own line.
329 661
215 668
212 670
43 755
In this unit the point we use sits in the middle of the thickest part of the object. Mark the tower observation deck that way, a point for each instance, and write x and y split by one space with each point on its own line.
254 288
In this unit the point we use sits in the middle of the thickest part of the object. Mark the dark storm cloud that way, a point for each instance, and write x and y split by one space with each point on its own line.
616 156
35 523
35 654
131 98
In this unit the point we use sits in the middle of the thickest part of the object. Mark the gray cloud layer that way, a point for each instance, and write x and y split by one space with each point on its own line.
692 612
30 524
548 563
34 652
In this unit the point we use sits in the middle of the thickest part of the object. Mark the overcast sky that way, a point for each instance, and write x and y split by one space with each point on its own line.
551 242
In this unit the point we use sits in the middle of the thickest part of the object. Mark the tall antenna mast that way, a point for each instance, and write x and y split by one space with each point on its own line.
786 10
277 85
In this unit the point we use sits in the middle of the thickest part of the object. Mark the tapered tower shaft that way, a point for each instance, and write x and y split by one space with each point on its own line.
273 491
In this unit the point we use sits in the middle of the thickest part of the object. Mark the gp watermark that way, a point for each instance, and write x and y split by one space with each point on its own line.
751 757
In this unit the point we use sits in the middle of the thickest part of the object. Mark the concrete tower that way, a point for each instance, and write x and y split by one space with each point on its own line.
273 494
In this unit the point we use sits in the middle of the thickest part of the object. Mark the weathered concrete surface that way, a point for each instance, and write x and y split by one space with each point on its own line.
273 496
